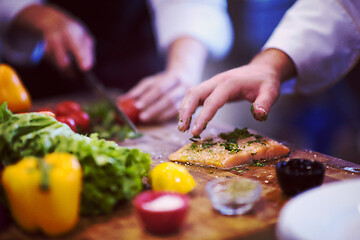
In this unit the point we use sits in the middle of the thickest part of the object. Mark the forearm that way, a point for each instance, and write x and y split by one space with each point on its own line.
324 47
187 56
206 21
277 62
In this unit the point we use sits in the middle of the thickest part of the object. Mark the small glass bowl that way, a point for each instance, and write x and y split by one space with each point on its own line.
233 196
298 175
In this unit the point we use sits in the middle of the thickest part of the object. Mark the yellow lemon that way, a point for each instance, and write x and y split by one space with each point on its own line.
172 177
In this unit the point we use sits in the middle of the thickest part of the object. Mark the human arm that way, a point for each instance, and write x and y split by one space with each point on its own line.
63 34
322 38
321 47
257 82
188 32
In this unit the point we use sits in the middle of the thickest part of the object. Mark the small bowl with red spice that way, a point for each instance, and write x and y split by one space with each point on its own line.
161 212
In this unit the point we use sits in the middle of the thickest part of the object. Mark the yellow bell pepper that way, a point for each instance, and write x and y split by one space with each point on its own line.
12 90
172 177
44 193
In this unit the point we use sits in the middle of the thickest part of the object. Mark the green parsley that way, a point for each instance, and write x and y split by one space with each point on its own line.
193 146
231 147
208 143
258 163
235 135
231 139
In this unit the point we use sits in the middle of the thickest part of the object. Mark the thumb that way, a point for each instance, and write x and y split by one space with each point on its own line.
263 102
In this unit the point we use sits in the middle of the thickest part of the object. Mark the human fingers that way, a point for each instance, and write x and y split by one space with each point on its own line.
219 96
165 107
87 53
139 89
268 94
81 45
160 87
56 50
194 97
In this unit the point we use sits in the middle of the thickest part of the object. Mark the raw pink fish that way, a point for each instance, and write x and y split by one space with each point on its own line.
213 153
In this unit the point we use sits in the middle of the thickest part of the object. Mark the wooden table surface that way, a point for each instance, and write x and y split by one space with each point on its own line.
203 222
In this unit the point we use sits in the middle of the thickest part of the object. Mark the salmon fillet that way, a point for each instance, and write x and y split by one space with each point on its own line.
229 150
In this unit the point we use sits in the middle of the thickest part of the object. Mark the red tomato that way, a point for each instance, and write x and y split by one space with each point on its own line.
82 120
67 120
127 105
66 108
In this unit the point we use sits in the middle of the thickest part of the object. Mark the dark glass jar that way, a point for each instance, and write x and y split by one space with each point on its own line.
298 175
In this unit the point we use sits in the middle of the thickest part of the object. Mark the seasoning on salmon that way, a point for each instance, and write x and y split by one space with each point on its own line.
230 149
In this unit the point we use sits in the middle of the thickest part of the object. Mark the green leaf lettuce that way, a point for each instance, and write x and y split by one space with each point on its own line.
110 172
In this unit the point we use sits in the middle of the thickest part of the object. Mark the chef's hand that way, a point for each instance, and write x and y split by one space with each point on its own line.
64 36
158 97
258 82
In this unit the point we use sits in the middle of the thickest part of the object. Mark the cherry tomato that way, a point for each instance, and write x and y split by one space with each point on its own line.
82 120
67 108
127 105
67 120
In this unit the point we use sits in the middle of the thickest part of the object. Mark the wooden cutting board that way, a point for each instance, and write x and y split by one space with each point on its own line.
203 222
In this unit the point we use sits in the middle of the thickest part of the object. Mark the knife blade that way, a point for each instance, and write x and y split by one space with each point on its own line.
92 80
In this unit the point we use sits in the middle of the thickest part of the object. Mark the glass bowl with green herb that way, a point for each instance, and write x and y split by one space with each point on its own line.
233 196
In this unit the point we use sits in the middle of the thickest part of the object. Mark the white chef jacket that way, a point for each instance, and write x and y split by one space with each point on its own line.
322 37
173 19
